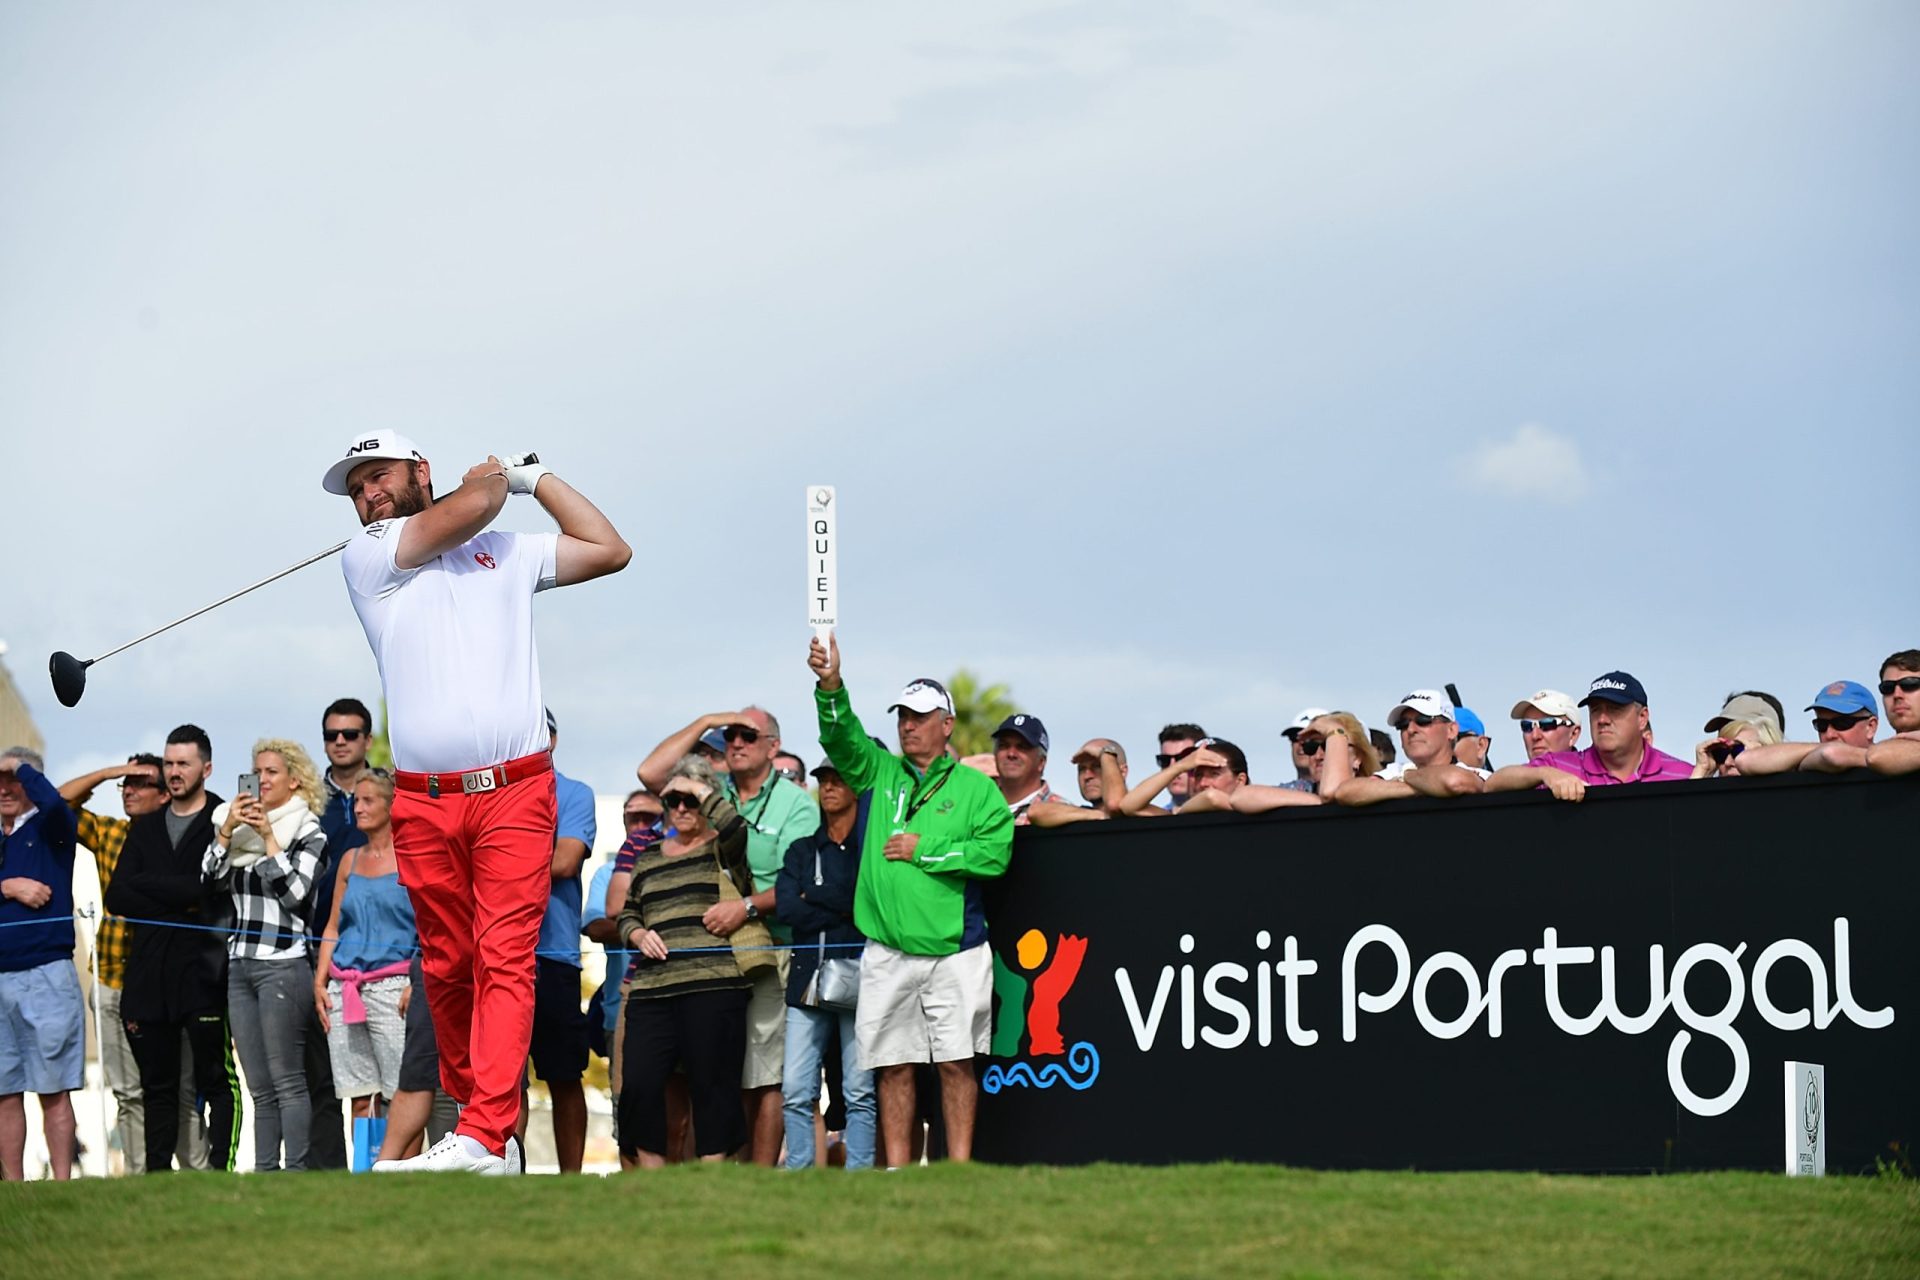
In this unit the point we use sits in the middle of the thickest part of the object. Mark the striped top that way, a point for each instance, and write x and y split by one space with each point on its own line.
670 895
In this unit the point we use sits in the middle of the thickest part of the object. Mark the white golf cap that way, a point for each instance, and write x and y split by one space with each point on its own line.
924 695
1302 720
1424 702
1548 702
365 448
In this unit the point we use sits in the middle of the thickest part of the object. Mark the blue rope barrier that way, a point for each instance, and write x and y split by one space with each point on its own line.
318 938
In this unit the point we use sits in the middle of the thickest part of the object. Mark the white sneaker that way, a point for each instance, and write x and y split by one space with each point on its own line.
449 1155
515 1160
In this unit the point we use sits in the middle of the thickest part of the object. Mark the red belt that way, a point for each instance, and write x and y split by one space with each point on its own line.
475 781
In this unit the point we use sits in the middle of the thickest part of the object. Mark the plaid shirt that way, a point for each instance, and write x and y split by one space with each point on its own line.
272 897
106 837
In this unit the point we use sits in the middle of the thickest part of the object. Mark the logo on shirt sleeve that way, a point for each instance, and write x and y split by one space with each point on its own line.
378 529
484 560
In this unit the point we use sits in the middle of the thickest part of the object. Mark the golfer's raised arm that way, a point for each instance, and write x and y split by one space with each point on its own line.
455 518
590 547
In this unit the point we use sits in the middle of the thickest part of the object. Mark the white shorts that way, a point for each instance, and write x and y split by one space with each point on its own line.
766 1028
924 1008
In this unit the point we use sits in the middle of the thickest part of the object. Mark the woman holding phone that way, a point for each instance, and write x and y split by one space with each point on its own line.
687 1002
267 847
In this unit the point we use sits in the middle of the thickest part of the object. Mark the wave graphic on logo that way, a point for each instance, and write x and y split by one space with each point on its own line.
1080 1070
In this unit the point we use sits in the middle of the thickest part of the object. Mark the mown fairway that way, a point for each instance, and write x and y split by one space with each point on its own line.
1105 1220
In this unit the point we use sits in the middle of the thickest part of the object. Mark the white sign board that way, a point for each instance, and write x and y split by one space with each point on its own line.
1806 1119
823 597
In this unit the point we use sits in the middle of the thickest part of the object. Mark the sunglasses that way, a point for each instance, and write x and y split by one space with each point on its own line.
1545 725
791 775
634 817
741 733
1721 752
1311 746
679 800
1417 718
343 735
1906 684
1163 759
1839 724
138 784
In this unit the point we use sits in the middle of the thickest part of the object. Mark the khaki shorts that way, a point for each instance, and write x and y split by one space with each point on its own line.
924 1008
766 1029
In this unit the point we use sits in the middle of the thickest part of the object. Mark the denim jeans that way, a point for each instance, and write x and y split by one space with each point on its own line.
807 1032
269 1003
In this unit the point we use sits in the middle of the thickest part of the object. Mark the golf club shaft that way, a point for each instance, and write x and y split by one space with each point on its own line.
333 550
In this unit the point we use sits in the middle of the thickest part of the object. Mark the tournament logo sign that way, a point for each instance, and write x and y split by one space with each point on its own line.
1030 1010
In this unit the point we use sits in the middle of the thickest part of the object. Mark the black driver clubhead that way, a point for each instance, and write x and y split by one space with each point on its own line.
69 677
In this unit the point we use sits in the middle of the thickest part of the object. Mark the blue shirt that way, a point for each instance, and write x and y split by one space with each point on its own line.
596 909
560 929
40 848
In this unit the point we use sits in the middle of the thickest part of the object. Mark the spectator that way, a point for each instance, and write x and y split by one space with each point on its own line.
141 792
346 731
176 979
777 813
1383 749
1020 764
791 767
1175 740
265 853
362 982
1549 721
688 998
1621 750
1302 767
1339 749
815 896
1900 691
1428 730
1102 771
43 1017
1843 721
1722 755
711 746
1471 747
559 1043
926 975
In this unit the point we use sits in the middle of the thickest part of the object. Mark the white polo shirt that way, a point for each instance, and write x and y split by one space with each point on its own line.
1398 770
454 640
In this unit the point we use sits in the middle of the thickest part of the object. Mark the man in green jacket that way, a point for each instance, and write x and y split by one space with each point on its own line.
935 830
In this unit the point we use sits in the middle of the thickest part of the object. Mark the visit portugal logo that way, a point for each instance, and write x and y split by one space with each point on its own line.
1030 1010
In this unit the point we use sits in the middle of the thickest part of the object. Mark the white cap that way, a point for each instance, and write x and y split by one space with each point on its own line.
1548 702
924 695
365 448
1425 702
1302 720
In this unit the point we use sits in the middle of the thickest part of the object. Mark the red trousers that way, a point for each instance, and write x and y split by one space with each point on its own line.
479 869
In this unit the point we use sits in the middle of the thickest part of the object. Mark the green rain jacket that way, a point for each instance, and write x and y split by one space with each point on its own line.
930 906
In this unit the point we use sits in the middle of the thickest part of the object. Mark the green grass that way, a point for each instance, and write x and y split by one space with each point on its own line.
1209 1220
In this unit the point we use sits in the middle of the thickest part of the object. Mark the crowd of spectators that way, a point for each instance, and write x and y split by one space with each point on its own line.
769 928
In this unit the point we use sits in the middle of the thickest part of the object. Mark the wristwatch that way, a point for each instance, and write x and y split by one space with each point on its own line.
753 912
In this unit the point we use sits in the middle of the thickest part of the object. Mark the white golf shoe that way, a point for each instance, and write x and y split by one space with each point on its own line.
449 1155
515 1159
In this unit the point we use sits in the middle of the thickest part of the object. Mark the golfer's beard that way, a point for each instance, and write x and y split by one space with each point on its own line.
410 501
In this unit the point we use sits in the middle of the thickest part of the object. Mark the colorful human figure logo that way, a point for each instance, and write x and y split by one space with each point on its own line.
1032 1007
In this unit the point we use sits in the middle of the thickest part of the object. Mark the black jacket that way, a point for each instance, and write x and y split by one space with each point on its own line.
172 974
823 909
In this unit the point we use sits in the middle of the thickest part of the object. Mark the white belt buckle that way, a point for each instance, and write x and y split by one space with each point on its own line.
478 780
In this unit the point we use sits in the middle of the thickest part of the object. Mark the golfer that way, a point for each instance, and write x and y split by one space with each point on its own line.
448 609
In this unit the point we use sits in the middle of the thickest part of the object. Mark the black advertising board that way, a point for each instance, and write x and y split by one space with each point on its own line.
1500 982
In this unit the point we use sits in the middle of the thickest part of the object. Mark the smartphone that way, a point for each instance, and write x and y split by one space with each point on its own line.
250 785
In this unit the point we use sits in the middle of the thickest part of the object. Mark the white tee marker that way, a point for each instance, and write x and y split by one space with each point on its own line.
823 603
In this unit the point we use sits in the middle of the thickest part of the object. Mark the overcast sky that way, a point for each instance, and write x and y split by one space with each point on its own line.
1197 361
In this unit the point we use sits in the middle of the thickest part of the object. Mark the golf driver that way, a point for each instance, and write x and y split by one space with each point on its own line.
70 673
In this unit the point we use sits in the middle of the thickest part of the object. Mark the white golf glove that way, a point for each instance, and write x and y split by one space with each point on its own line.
523 472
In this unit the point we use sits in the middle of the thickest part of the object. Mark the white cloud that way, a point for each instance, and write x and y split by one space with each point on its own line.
1534 463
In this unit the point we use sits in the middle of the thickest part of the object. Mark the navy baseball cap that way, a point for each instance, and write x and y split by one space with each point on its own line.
1616 687
1845 697
1028 727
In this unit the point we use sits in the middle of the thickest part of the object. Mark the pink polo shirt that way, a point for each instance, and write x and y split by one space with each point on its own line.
1655 766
